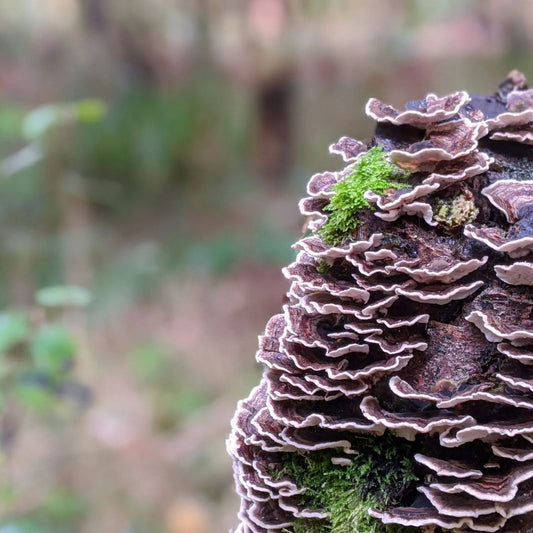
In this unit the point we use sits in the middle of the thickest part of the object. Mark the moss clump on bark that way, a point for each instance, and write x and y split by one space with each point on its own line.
380 475
373 172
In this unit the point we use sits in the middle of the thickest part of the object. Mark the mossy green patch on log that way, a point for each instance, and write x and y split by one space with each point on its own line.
380 475
373 172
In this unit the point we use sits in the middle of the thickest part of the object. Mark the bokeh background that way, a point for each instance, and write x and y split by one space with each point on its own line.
153 152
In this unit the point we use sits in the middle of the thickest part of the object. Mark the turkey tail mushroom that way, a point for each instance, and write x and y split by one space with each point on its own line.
398 381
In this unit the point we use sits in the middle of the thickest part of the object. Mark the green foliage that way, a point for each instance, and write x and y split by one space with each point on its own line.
35 395
11 117
33 186
52 349
373 172
152 140
35 360
63 295
59 512
63 504
13 329
40 120
323 267
379 476
35 363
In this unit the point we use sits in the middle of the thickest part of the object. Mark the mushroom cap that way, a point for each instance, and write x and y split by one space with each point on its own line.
514 198
420 113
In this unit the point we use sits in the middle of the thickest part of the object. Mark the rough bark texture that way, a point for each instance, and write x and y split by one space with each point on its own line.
417 327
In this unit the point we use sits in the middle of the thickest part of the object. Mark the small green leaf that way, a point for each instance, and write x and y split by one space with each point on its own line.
37 122
52 349
25 158
63 295
13 329
90 110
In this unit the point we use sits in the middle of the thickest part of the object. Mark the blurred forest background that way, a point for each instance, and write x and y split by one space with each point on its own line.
152 154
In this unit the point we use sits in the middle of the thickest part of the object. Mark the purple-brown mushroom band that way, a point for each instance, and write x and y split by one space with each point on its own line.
419 324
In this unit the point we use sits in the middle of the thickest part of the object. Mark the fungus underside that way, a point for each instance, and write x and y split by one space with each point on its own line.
373 172
380 475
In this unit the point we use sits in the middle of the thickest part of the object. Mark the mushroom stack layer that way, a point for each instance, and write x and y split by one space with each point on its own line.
419 324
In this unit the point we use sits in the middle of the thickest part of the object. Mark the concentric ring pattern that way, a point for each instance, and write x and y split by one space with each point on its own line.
420 324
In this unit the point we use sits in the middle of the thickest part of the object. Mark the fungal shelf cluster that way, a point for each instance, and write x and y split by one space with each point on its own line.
409 326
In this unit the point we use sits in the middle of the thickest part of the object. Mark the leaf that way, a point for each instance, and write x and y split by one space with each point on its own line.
63 295
37 122
13 329
25 158
90 110
52 349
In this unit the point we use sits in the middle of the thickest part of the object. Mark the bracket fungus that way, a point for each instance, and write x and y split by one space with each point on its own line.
398 385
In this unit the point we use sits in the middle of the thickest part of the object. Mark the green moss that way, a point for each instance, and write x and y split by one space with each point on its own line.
380 475
373 172
306 526
322 266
